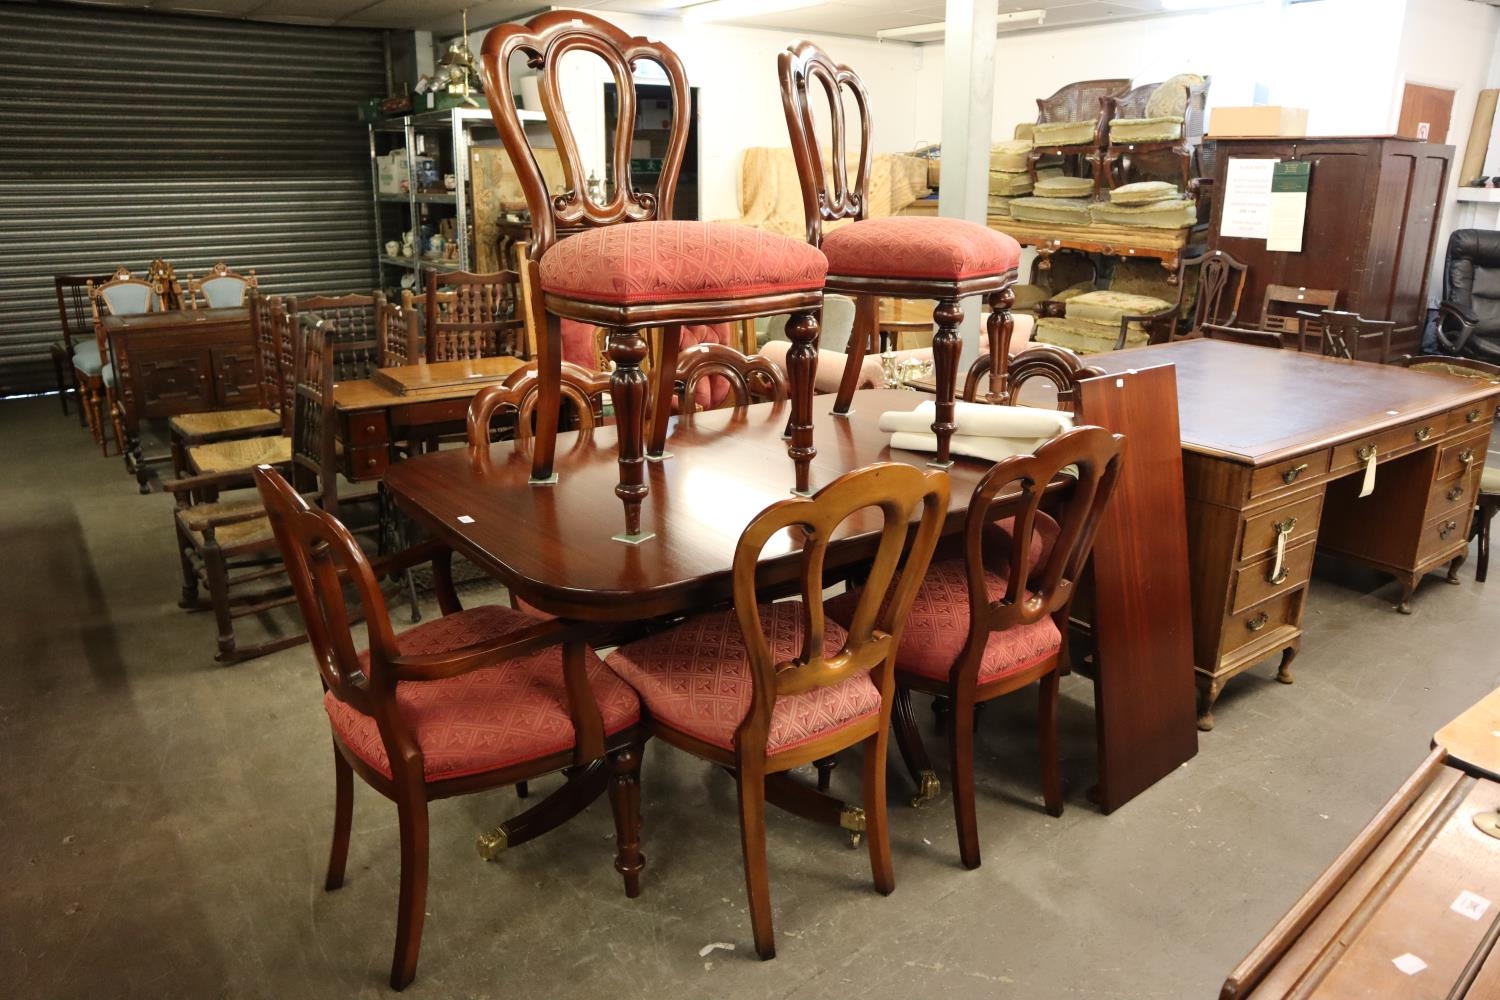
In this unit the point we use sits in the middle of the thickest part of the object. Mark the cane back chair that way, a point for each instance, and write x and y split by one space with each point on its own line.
631 266
896 257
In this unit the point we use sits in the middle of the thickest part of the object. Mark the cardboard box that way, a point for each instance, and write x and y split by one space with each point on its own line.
1264 120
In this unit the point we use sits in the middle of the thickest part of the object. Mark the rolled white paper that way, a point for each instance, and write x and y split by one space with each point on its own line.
982 420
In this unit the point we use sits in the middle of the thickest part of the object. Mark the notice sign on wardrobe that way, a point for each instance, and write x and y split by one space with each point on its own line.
1289 183
1266 200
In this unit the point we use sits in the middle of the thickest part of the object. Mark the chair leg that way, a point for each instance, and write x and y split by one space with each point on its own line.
665 377
945 349
625 802
1484 515
752 792
217 572
188 601
1047 736
343 819
59 377
961 761
825 766
115 422
913 752
627 388
877 831
866 323
411 810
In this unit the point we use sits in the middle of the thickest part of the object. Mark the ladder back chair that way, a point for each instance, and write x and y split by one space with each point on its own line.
630 266
995 619
796 687
475 699
76 362
1282 310
467 315
895 257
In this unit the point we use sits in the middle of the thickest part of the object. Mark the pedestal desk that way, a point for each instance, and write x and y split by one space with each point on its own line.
1276 450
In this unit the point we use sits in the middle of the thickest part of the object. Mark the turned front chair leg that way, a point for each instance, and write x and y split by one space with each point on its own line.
866 323
665 377
627 388
999 329
945 345
802 367
549 400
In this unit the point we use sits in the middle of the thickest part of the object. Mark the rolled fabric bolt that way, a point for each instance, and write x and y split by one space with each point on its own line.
990 449
982 420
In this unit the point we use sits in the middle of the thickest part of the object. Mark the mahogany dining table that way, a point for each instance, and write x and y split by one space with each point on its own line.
551 545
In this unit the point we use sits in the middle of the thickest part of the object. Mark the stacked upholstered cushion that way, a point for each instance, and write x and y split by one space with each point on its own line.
1064 187
1165 111
1068 211
1142 193
1092 323
1174 213
1064 133
1009 185
1010 156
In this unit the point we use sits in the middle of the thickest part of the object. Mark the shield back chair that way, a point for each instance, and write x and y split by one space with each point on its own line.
895 257
765 687
630 266
76 361
469 315
1283 309
354 322
1347 335
1071 124
477 699
995 619
219 288
1171 120
273 341
1487 497
121 295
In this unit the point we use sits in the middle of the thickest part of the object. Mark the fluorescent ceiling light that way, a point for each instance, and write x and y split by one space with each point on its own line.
935 29
730 10
1176 5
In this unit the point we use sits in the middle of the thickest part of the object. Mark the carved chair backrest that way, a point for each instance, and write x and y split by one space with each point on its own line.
400 343
220 288
1349 335
543 42
1282 305
355 329
74 308
1080 101
827 194
314 459
121 295
467 315
277 349
1056 365
584 390
897 492
1031 594
1216 288
750 377
161 273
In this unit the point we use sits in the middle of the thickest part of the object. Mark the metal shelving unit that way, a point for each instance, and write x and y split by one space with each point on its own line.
446 136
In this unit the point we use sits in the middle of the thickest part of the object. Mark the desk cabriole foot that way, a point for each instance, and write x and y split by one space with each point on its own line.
1283 672
1208 693
1452 576
549 481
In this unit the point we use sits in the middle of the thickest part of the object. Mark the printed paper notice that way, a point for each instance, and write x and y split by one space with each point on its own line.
1247 199
1289 183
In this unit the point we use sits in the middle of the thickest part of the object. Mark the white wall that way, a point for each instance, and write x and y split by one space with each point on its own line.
739 97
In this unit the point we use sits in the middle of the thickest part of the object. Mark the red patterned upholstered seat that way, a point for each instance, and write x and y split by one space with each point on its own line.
919 247
695 677
486 719
939 623
641 263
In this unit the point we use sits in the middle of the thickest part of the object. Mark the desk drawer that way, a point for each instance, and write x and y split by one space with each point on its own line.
1252 583
368 462
1443 533
367 429
1244 627
1386 443
1458 458
1284 475
1479 415
1260 530
1450 494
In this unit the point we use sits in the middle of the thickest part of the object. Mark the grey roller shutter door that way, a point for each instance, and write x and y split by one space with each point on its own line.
127 136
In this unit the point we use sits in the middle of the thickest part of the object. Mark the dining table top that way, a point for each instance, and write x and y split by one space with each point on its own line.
1259 406
553 544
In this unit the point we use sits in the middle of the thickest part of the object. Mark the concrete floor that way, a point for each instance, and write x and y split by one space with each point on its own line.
165 819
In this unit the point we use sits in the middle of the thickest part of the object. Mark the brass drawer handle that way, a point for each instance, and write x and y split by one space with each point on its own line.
1447 529
1366 453
1456 492
1423 433
1466 456
1258 622
1472 416
1279 578
1286 527
1290 475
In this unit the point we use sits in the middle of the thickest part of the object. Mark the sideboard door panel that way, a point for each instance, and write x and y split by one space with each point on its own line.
236 377
173 381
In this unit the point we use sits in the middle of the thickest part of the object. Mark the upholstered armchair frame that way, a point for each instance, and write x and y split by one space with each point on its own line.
1077 102
1116 157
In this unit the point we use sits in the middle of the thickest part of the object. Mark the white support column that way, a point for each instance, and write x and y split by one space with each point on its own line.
968 113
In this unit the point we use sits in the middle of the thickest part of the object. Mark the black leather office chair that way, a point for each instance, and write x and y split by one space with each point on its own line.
1469 318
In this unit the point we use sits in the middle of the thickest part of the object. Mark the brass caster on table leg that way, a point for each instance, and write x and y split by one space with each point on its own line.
928 788
852 819
493 844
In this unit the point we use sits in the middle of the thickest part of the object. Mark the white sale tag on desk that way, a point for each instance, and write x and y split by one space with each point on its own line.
1368 486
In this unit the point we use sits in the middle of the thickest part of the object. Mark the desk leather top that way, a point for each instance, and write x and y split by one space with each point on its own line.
1261 406
553 542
